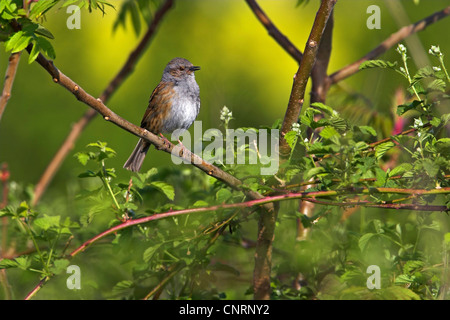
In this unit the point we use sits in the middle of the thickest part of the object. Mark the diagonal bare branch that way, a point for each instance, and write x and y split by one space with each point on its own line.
304 71
9 80
90 114
280 38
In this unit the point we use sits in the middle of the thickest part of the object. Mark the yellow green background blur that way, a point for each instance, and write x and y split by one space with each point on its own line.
242 68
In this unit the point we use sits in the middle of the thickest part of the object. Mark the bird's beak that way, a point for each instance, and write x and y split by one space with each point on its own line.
194 68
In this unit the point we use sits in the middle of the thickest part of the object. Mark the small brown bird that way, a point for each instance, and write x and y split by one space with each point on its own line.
174 104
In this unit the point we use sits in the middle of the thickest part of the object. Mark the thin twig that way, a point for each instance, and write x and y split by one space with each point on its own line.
273 31
90 114
9 80
389 43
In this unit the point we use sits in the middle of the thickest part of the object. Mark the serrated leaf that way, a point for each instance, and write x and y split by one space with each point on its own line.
443 145
47 222
8 263
326 109
437 85
381 149
422 73
59 266
377 64
291 138
82 157
430 167
400 169
329 132
123 287
223 195
367 130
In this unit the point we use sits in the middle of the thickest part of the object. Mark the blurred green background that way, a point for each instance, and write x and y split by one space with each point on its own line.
242 68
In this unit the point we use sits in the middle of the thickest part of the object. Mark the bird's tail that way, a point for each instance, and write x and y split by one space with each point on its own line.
136 158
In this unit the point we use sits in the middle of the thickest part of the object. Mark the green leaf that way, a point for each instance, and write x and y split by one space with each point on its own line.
401 109
443 145
68 3
313 172
437 85
422 73
381 149
8 263
33 54
82 157
46 47
329 132
399 293
123 287
59 266
21 44
47 222
400 170
11 43
149 252
291 138
41 7
223 195
430 167
367 130
44 32
200 203
326 109
165 188
364 240
412 266
377 64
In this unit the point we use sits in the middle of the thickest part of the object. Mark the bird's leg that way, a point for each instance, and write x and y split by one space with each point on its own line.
165 141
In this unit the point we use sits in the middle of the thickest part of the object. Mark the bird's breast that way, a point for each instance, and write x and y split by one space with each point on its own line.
185 108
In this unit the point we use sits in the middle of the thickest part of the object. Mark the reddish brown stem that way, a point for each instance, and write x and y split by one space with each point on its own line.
9 80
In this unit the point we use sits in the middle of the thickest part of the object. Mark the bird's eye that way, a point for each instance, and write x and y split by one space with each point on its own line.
181 68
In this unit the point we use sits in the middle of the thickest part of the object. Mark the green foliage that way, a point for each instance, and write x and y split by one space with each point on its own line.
135 11
21 26
205 254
